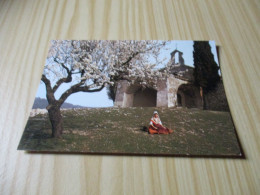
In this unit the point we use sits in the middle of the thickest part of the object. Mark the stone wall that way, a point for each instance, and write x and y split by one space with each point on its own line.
189 96
134 96
145 98
162 93
216 99
172 87
121 88
128 100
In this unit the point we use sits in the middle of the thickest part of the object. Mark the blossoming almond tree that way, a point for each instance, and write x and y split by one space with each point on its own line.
89 66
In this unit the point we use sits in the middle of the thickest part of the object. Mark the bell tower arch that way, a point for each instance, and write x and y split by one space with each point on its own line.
178 54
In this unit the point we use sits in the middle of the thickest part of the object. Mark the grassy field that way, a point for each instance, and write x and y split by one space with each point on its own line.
120 130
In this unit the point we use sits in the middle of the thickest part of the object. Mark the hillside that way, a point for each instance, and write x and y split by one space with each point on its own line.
121 130
42 104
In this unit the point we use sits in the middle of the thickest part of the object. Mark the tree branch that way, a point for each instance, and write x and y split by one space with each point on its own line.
63 80
46 81
49 91
135 54
77 88
130 58
62 64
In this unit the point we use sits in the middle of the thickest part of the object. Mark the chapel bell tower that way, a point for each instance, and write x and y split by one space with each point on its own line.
176 58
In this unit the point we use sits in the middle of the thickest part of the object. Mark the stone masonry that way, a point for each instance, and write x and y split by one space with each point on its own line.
166 88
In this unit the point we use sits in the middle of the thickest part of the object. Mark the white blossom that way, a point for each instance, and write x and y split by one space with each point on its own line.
98 63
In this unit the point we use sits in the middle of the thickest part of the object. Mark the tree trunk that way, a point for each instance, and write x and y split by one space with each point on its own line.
204 102
56 120
203 98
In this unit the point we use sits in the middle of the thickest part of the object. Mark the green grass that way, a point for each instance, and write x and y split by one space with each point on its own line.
120 130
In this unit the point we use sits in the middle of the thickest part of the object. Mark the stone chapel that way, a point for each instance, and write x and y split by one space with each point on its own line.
175 90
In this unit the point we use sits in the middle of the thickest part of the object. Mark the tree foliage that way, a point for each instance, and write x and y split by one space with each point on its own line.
205 68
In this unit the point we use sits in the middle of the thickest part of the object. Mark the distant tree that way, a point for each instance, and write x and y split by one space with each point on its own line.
206 69
89 66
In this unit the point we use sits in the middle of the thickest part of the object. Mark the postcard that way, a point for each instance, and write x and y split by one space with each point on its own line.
129 97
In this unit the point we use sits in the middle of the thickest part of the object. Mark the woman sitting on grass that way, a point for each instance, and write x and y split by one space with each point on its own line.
156 126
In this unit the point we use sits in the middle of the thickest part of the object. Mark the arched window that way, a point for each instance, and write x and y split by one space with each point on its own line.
188 96
176 58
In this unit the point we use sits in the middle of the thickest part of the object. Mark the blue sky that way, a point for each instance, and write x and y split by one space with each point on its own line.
100 99
187 48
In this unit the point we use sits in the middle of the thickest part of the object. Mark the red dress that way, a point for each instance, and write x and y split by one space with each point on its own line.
157 128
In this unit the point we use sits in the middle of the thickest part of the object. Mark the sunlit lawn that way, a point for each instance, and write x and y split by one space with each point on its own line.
120 130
